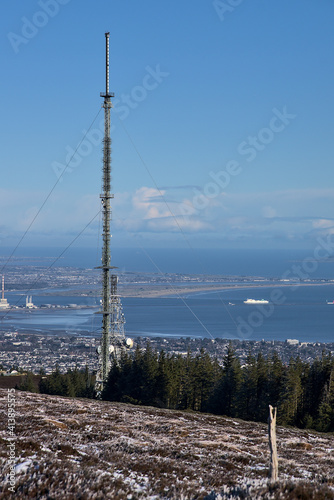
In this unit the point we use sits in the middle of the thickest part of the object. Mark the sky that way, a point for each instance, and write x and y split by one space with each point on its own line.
222 125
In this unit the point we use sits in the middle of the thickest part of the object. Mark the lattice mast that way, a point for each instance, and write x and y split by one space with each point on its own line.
113 339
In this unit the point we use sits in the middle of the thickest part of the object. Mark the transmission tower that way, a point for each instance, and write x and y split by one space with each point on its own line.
113 339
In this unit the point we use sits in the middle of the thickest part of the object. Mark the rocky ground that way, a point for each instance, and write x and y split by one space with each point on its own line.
84 449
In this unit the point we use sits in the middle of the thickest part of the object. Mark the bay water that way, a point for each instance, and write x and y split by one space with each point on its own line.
300 310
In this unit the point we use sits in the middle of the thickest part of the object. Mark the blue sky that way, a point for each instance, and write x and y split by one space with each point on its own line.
223 121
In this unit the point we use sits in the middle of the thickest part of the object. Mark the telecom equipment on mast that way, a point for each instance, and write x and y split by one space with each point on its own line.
113 339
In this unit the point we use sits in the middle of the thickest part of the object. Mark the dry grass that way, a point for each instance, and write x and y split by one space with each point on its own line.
75 448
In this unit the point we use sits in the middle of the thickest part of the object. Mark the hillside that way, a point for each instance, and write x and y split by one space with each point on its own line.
85 449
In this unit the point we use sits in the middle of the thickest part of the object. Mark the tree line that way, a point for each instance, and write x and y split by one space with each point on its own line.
74 383
303 392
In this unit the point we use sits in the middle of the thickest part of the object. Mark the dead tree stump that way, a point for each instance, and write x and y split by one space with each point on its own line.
273 462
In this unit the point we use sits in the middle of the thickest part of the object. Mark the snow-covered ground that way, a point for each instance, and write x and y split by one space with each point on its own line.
74 448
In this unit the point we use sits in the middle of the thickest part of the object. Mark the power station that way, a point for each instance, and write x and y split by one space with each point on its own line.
3 302
113 339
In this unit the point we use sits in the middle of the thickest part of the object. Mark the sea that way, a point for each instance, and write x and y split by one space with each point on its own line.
298 285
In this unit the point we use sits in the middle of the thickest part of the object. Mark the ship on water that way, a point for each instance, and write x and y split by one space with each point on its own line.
256 301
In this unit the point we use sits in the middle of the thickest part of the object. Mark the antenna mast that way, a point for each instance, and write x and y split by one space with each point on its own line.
113 340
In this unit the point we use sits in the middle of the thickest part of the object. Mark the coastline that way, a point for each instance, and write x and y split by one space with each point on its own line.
148 290
164 291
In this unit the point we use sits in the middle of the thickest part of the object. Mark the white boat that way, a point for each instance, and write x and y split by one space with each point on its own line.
256 301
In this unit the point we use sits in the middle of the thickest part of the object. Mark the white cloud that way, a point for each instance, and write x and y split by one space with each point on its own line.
148 202
290 214
149 210
286 215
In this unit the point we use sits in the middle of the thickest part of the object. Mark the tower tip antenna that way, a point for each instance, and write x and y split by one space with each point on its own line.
107 34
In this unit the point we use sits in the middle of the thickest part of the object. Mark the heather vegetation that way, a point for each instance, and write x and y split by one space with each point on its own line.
303 392
74 448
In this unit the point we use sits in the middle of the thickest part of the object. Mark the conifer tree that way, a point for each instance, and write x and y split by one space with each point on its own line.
177 381
186 372
262 389
275 377
225 398
52 384
325 418
202 380
248 392
113 388
27 383
163 381
292 392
